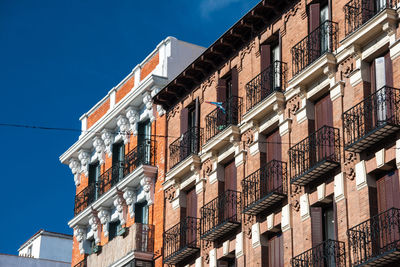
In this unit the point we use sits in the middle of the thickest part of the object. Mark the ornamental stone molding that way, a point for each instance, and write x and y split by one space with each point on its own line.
130 199
148 102
105 218
147 192
80 235
170 193
119 203
160 109
133 116
349 165
75 166
124 127
84 157
100 149
108 138
94 223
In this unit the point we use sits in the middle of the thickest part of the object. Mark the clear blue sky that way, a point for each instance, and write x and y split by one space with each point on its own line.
57 59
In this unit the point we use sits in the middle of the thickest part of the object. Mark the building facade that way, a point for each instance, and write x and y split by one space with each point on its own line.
118 166
283 141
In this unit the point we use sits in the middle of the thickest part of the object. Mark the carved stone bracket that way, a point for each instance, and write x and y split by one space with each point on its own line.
100 148
248 223
119 203
124 127
108 138
80 235
294 104
94 223
84 157
248 137
105 218
130 198
170 193
295 196
148 102
133 116
349 165
75 166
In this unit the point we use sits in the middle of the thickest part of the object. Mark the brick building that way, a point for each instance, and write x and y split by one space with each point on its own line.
299 166
118 165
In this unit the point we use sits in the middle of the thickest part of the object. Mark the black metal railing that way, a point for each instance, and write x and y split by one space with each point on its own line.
224 208
319 147
110 177
272 178
219 119
358 12
322 40
330 253
272 79
181 236
375 238
82 263
143 154
144 238
189 143
377 110
84 198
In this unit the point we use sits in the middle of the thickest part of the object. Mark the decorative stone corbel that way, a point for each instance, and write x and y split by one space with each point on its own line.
160 109
94 223
133 116
105 218
75 166
130 198
123 126
107 137
119 203
84 157
148 102
148 189
80 235
100 148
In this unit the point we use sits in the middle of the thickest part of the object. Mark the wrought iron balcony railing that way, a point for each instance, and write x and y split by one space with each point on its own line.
376 241
221 215
143 154
218 119
372 120
144 238
272 79
265 187
358 12
189 143
182 240
315 155
82 263
322 40
330 253
85 198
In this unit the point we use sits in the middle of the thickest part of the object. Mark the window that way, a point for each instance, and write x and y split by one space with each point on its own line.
271 59
274 147
381 72
323 112
275 250
144 135
230 176
388 191
322 224
118 157
113 229
141 213
94 176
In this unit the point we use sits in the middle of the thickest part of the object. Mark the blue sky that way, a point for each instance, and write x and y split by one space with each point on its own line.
58 59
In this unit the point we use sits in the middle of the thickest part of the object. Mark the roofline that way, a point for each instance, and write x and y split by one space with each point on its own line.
42 232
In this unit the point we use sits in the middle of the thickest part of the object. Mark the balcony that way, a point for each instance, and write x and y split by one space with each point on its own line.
376 242
82 263
265 187
322 40
220 216
270 80
143 154
371 120
139 241
218 119
359 12
315 155
329 253
181 241
189 143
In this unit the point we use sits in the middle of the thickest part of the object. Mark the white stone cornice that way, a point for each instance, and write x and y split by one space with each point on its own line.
130 198
124 127
100 149
119 203
133 116
94 223
84 157
105 218
75 166
80 235
108 138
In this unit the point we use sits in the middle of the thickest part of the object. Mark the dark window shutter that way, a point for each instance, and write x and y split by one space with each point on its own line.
316 226
388 192
265 56
235 82
221 90
275 251
274 148
230 176
314 17
191 203
388 70
197 113
184 120
323 112
373 75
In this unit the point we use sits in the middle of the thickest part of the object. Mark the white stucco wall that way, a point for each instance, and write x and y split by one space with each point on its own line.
16 261
35 248
53 248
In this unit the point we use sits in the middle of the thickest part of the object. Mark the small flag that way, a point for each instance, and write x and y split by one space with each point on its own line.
218 105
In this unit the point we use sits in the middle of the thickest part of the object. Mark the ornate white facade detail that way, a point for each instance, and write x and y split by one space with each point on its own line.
100 148
80 234
108 138
105 217
84 157
133 116
148 102
130 198
124 127
75 166
160 109
147 192
94 223
119 203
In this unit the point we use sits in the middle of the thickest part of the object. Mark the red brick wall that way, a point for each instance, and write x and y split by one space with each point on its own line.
124 89
98 113
149 66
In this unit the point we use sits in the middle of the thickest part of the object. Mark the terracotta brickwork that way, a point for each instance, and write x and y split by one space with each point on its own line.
124 89
98 113
149 66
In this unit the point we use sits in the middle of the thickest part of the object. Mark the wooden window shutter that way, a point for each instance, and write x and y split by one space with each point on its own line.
316 226
323 112
265 56
314 17
191 204
274 148
388 192
184 120
235 82
230 176
388 70
221 90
